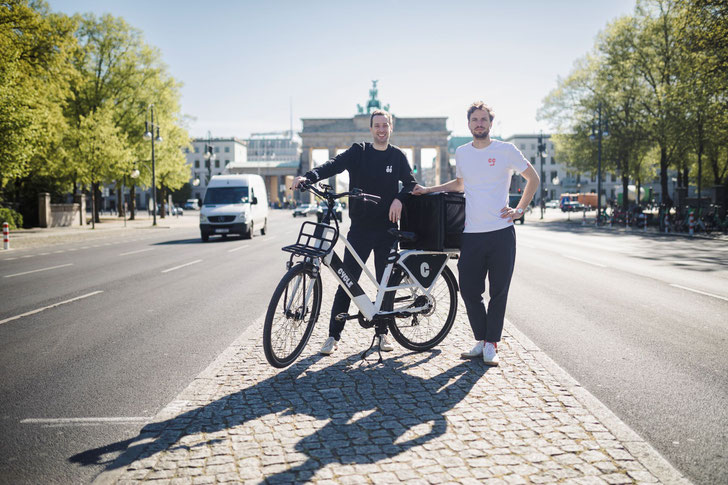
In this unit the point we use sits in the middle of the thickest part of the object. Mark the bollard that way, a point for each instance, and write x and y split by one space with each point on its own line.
691 224
6 236
583 221
667 223
644 222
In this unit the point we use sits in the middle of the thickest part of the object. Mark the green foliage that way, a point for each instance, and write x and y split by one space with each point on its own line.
660 77
13 218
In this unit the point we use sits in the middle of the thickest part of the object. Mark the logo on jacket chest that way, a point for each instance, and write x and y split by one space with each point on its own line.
388 169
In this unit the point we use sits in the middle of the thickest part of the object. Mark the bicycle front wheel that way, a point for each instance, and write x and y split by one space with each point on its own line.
292 314
424 331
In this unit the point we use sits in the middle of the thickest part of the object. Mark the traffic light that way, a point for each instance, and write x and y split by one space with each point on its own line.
415 169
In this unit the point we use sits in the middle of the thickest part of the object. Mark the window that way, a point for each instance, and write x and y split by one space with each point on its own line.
553 161
197 164
227 149
523 146
187 150
197 149
554 174
217 149
226 162
217 163
614 177
594 177
533 146
533 160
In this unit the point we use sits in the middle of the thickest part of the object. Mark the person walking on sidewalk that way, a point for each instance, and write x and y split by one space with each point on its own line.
377 168
488 245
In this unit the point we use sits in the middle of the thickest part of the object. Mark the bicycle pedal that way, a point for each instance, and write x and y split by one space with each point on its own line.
342 317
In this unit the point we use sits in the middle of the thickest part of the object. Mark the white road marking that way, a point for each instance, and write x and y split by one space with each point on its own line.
698 291
238 248
49 306
9 259
584 261
86 421
38 270
137 251
181 266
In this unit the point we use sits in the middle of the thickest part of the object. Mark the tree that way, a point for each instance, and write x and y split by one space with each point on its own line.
34 84
118 71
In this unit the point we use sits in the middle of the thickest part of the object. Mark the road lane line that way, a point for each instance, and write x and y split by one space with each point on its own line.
137 251
238 248
698 291
32 312
86 421
585 261
38 270
182 266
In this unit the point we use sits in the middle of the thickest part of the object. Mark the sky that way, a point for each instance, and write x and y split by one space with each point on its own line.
246 65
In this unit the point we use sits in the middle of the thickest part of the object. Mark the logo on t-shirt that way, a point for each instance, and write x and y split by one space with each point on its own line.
389 169
491 162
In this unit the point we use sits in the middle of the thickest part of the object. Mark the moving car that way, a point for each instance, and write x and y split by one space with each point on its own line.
192 205
322 209
234 204
552 204
304 210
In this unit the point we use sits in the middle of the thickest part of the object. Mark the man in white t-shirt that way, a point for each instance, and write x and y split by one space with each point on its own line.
488 246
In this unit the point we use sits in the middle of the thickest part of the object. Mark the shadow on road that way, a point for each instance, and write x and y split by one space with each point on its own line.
374 412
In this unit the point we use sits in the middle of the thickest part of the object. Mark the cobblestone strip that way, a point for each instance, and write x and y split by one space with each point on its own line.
416 418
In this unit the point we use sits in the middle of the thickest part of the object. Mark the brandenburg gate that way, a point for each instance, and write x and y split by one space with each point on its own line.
415 134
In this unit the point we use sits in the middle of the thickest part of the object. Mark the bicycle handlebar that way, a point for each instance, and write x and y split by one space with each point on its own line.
328 194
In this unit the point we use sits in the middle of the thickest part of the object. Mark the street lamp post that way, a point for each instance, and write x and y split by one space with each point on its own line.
209 157
149 135
541 154
600 129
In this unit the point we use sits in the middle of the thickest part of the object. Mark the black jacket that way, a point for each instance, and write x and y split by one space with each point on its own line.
375 172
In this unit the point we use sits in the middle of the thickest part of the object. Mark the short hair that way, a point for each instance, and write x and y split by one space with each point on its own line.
481 105
381 112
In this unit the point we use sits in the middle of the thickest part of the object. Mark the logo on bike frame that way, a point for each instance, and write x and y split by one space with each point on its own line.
344 277
425 270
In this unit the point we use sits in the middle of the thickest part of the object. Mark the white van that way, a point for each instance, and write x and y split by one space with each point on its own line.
234 204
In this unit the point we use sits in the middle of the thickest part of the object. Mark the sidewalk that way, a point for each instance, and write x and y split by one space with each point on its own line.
110 226
417 418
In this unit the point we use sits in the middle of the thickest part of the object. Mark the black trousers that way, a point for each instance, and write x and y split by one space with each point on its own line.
364 241
491 255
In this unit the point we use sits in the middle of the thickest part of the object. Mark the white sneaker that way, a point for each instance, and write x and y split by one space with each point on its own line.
384 344
329 346
490 354
476 351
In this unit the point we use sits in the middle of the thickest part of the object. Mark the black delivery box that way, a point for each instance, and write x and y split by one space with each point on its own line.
437 219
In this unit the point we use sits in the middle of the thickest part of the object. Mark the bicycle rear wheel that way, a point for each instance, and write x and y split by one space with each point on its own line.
425 330
292 314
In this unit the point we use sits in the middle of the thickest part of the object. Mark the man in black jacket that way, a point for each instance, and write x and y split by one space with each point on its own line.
375 168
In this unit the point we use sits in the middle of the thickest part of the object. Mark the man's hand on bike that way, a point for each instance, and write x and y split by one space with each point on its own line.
420 190
297 182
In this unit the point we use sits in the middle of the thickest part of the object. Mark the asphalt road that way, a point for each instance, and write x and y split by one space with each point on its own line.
641 322
631 317
155 309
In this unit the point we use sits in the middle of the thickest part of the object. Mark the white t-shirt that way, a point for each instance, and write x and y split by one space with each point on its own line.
486 173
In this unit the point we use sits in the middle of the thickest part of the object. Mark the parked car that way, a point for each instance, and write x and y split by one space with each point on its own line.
192 204
322 209
304 210
552 204
177 210
572 206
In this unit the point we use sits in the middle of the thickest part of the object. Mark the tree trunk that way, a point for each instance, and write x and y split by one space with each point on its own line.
120 202
625 193
132 202
666 199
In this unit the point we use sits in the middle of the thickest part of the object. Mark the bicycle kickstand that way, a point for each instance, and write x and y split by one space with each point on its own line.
379 349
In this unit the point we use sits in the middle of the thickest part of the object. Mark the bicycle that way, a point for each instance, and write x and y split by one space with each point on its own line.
416 300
